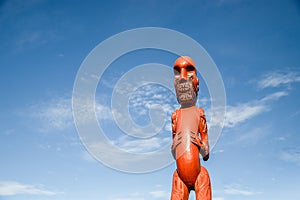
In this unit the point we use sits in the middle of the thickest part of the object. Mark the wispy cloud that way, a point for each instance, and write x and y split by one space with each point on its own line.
29 38
278 78
253 135
274 96
297 112
244 111
104 112
129 198
160 194
144 111
141 145
149 95
241 112
122 160
9 188
237 189
218 198
55 114
291 155
155 194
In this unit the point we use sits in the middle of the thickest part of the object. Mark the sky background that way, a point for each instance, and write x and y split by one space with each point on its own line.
255 45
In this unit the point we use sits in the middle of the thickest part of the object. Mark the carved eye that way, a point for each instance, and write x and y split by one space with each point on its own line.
190 68
176 71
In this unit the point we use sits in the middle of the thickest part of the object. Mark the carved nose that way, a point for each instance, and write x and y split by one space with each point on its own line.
183 74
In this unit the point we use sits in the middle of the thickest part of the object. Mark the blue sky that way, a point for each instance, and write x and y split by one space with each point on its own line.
255 45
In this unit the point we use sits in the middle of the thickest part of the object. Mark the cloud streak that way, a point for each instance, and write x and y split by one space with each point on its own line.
291 156
53 115
141 145
239 190
279 78
8 188
56 114
160 194
242 112
155 194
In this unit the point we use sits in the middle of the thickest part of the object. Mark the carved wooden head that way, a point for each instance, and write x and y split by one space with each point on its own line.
186 81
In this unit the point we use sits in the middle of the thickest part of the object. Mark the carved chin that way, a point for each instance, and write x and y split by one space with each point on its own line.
185 93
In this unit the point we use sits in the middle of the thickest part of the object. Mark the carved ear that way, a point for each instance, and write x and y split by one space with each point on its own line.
174 121
196 84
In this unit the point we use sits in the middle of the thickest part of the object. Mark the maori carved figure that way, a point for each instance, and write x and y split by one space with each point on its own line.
190 139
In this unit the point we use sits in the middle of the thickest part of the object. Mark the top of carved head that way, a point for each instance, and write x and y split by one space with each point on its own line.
186 82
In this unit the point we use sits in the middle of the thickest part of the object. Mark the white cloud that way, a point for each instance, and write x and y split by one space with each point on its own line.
244 111
130 198
218 151
56 114
275 96
291 155
120 159
160 194
155 194
8 188
53 115
104 112
297 112
218 198
144 111
239 190
28 38
275 79
146 96
236 114
253 135
141 145
241 113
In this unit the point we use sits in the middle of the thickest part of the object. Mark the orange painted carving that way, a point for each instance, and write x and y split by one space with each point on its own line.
190 139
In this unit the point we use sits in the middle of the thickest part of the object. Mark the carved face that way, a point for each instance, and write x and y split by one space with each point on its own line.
186 82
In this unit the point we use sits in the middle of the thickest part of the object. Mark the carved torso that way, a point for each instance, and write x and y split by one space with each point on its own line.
185 144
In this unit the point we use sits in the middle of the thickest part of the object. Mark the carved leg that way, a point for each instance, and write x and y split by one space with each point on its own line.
202 185
179 189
